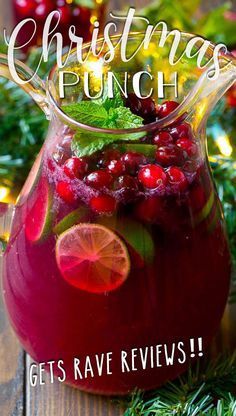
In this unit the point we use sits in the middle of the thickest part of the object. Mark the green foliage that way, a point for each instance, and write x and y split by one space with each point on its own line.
90 4
185 15
206 389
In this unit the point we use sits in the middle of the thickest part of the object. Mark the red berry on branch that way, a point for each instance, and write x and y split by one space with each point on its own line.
65 12
24 7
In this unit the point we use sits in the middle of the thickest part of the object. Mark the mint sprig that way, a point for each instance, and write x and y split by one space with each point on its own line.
103 113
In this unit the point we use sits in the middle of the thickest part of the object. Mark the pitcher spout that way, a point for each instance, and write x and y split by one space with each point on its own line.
208 91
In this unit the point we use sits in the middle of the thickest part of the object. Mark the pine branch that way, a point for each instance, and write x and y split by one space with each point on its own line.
206 389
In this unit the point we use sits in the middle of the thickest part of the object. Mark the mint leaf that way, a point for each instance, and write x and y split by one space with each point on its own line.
87 112
124 118
85 144
107 102
91 113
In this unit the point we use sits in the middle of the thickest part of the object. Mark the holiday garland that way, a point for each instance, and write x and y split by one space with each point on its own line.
207 389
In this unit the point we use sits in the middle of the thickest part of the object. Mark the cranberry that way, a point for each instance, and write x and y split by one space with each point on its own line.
65 192
103 204
150 209
99 179
132 161
51 165
127 182
116 167
152 176
163 139
143 107
182 130
75 167
107 156
170 155
177 179
187 145
166 108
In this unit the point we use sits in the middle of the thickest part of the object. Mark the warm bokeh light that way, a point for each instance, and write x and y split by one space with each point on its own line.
224 145
4 192
95 66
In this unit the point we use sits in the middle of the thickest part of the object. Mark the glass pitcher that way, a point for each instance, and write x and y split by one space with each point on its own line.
118 255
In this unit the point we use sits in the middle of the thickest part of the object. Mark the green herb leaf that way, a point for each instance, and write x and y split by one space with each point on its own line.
87 112
124 118
107 102
87 144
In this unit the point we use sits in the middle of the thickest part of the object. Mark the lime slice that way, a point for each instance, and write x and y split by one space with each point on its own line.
147 150
71 219
39 218
136 235
205 211
92 258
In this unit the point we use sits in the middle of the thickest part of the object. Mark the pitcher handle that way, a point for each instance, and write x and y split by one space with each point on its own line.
35 88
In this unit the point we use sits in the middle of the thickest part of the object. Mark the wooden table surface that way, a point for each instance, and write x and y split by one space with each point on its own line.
18 398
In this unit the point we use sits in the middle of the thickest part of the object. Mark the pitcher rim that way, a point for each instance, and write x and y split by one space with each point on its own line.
156 125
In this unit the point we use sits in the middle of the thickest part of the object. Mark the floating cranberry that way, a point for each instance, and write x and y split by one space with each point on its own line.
187 145
127 182
116 167
75 167
152 176
99 179
103 204
166 108
65 192
177 179
150 209
143 107
107 156
51 165
163 139
182 130
132 161
170 155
